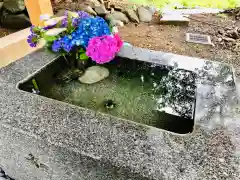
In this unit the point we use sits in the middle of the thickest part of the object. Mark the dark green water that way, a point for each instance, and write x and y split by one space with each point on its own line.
133 89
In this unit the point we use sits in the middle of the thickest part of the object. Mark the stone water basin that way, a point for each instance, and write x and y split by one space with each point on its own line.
143 92
71 139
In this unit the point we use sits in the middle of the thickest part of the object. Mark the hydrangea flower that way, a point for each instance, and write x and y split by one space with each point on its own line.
33 40
89 28
103 49
62 44
74 19
83 14
56 46
66 43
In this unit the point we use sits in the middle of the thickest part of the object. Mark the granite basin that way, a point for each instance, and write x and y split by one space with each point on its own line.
72 142
138 91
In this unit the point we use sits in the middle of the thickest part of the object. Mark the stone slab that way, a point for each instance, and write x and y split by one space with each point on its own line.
198 38
192 11
174 19
140 152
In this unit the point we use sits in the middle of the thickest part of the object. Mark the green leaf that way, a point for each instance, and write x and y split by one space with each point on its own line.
81 50
49 38
83 56
77 55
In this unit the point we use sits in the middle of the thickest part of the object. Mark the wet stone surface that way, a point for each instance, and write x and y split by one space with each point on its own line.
4 176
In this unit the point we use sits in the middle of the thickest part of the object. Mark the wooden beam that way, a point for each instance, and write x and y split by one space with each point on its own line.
36 8
15 46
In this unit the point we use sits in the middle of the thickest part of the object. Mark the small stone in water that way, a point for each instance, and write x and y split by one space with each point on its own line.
94 74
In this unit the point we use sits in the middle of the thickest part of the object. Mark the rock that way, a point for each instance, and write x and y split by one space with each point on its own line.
94 3
117 8
220 31
132 15
114 22
60 13
101 10
101 1
144 14
14 21
152 9
107 4
233 34
94 74
14 6
120 16
229 39
89 10
1 5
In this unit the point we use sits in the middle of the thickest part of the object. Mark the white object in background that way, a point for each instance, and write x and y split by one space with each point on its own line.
45 17
115 30
53 21
192 11
126 44
198 38
174 18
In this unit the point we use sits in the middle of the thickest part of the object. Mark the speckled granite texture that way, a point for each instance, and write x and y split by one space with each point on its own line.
73 143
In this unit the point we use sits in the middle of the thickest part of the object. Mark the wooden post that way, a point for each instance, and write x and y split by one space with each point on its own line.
36 8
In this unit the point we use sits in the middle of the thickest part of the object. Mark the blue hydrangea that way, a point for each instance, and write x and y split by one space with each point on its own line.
56 46
87 28
66 43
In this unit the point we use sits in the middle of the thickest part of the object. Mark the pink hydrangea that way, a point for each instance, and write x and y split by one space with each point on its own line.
103 49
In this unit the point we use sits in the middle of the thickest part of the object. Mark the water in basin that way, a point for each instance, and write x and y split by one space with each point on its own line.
138 91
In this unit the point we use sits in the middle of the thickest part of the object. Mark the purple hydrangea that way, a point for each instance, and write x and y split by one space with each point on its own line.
83 14
56 46
64 22
62 44
75 22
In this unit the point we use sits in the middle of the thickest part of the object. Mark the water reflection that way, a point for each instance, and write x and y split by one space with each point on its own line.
175 93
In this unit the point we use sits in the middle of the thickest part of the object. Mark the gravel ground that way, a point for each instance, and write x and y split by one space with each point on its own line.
171 38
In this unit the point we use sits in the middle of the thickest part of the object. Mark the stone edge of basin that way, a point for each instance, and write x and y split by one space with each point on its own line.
146 151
